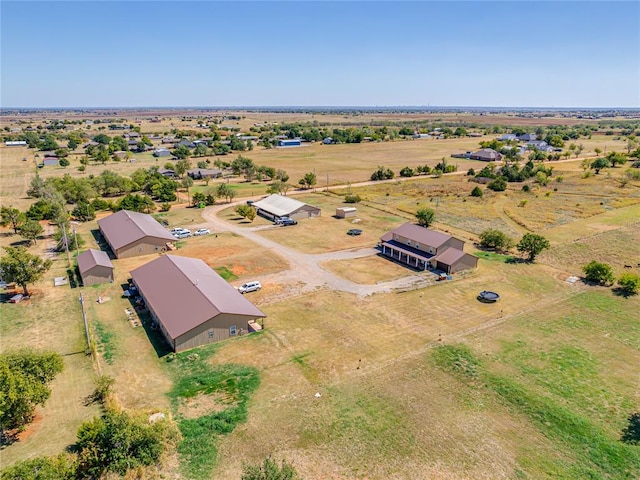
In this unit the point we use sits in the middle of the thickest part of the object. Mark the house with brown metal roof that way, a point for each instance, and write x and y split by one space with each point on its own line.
422 248
191 304
95 267
130 234
486 155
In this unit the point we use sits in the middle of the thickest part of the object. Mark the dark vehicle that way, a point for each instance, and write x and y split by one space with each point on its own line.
288 221
250 202
354 232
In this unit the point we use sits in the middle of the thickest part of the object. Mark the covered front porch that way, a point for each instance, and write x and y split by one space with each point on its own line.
407 255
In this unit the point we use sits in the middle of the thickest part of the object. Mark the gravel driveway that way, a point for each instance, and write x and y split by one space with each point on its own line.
305 273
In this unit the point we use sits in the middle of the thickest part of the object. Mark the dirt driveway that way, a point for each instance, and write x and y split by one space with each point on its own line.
305 273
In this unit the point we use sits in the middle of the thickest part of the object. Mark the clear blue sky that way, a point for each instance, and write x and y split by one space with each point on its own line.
478 53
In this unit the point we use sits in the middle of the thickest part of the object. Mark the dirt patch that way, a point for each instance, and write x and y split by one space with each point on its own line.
203 404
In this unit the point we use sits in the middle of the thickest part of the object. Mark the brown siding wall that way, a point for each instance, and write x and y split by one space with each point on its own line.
219 326
144 246
452 242
465 263
96 275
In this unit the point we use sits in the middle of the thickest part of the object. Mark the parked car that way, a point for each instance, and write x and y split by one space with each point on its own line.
202 231
175 230
285 221
186 234
249 287
250 202
354 231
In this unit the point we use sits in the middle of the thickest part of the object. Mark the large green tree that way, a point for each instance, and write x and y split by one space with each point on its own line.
24 379
12 217
426 217
493 238
629 283
225 191
532 244
598 272
31 230
21 267
308 180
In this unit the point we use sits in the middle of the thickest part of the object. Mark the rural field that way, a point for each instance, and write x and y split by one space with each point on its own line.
422 382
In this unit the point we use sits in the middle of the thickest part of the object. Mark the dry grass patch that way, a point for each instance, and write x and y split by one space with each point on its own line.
203 404
367 270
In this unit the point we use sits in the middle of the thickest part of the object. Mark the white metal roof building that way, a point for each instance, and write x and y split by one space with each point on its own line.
277 206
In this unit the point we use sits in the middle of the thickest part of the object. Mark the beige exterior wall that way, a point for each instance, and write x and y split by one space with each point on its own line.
417 245
340 213
465 263
452 242
213 330
305 212
144 246
96 275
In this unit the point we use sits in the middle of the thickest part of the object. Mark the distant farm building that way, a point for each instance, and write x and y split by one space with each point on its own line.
200 173
419 136
16 143
277 206
191 304
161 152
295 142
130 234
95 267
528 137
346 212
506 137
422 248
51 162
486 155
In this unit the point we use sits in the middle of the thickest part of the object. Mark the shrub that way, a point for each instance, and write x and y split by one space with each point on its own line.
498 185
629 283
492 238
352 199
631 433
165 207
476 192
269 470
471 172
598 273
60 467
406 172
526 188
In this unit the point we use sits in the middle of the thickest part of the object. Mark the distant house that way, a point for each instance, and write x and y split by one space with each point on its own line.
168 140
200 142
346 212
539 145
422 248
293 142
191 304
95 267
244 138
120 154
419 136
133 134
474 134
506 137
161 152
486 155
277 206
185 143
130 234
16 143
200 173
528 137
51 162
165 172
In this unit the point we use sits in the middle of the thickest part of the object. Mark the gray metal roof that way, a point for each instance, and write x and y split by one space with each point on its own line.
419 234
124 227
92 258
279 205
185 292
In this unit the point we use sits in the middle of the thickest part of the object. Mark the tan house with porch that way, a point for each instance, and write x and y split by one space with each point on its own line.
422 248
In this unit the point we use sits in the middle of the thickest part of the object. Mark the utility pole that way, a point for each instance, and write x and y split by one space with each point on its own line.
435 213
327 182
66 242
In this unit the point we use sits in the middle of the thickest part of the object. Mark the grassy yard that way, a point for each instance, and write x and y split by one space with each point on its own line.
367 270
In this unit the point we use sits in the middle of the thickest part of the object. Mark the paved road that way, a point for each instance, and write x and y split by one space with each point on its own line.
305 273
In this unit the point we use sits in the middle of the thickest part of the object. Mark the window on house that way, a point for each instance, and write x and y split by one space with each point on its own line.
409 242
232 330
211 333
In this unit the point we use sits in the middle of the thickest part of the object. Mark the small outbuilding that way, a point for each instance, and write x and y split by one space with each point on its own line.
346 212
95 267
16 143
294 142
277 206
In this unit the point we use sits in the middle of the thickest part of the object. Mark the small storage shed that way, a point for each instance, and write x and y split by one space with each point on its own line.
95 267
346 212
